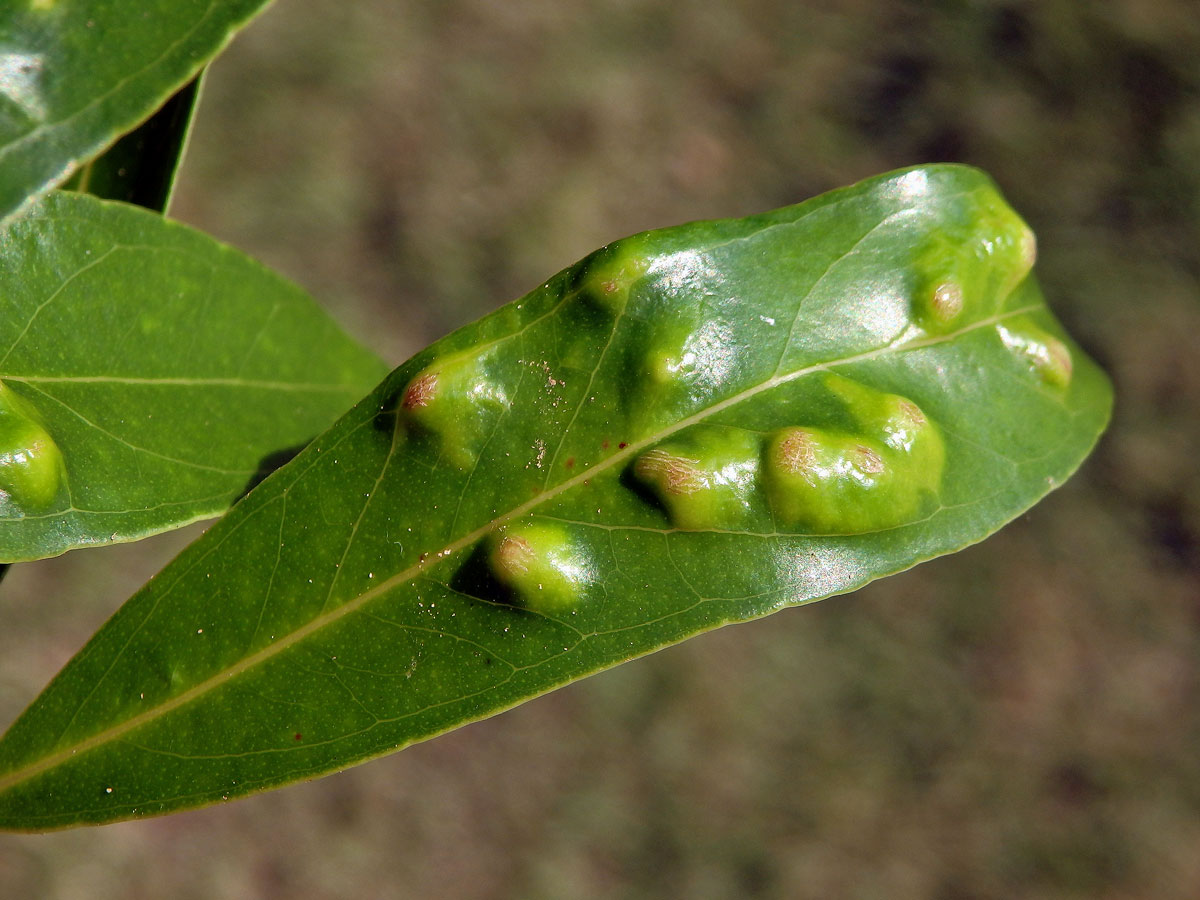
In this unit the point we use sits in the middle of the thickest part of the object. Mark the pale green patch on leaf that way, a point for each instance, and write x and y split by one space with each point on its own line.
887 473
457 402
31 465
705 478
1045 354
540 564
412 570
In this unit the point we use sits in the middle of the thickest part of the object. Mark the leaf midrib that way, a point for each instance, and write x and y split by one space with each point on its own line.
356 603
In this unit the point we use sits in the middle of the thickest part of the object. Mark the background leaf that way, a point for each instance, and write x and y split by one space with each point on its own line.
364 597
140 168
75 76
163 366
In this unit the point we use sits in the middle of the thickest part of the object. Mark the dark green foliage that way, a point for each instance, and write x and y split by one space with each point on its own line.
79 75
382 587
163 367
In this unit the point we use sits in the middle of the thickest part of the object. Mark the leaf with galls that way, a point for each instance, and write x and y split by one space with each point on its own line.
150 375
691 427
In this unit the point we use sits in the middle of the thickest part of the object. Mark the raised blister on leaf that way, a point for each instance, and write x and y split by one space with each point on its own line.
946 303
887 473
668 362
683 358
458 399
830 483
693 359
611 274
966 268
896 421
31 465
706 478
1041 351
542 565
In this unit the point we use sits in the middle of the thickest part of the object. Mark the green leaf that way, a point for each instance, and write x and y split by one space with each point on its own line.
140 168
146 372
75 76
691 427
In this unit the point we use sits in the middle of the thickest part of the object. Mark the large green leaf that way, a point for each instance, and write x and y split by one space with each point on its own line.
691 427
141 167
74 76
146 371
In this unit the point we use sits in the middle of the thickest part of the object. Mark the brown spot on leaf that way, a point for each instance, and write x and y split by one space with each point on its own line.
1028 245
947 301
797 452
420 391
676 474
514 555
912 412
1061 357
868 460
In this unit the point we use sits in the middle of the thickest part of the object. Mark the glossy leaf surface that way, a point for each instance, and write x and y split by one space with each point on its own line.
146 372
691 427
140 168
75 76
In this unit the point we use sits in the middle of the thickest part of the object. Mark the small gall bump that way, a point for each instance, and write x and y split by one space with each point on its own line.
458 399
546 570
1042 353
706 479
947 301
971 262
890 418
1028 248
887 474
911 413
1060 360
796 451
607 278
688 361
32 470
514 555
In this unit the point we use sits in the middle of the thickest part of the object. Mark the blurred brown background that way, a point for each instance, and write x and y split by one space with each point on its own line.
1019 720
